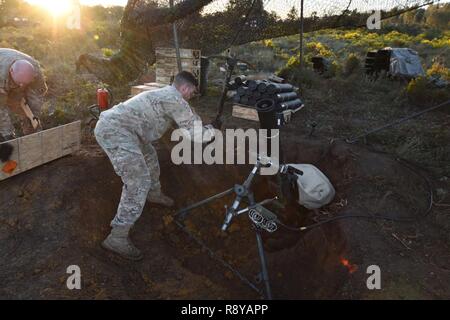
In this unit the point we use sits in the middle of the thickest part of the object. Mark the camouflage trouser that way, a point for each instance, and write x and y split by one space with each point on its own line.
6 126
138 169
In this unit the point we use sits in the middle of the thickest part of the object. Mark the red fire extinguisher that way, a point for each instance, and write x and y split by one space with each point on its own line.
103 99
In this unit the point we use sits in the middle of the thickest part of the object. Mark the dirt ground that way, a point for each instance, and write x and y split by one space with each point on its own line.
57 215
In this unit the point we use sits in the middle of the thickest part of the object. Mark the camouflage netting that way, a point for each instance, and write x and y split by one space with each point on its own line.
215 25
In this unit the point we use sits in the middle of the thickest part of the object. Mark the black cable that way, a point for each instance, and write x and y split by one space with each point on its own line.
346 216
397 122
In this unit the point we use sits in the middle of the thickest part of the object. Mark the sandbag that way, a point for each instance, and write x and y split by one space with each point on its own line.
314 188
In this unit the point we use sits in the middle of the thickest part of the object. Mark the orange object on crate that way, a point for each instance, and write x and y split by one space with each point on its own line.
9 167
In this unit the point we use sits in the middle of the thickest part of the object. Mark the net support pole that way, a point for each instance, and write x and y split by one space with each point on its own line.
177 44
301 34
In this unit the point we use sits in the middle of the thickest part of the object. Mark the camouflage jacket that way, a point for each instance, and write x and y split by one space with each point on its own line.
32 93
147 116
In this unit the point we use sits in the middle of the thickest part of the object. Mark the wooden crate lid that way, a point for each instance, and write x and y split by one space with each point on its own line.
39 148
245 112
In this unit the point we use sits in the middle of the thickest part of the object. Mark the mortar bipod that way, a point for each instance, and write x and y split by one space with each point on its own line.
260 217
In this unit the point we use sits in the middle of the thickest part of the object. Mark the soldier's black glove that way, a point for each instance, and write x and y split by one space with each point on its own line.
6 151
217 124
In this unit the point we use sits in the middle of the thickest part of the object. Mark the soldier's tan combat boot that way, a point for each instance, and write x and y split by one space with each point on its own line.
160 198
119 242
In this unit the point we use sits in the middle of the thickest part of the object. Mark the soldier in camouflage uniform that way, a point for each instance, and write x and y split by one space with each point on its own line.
126 133
21 81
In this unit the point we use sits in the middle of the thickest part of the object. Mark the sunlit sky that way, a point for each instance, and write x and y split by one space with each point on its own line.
58 7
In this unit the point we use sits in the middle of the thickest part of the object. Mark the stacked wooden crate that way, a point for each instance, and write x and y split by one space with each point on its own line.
167 67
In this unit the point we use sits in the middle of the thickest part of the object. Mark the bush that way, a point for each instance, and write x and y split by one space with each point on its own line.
304 77
409 29
437 43
351 65
334 70
319 49
107 52
268 43
398 39
439 70
432 33
421 93
291 70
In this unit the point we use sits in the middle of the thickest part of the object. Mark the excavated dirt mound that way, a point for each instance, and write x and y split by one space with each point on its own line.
56 215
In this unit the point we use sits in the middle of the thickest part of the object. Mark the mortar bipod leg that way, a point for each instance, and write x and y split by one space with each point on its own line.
262 255
264 271
185 211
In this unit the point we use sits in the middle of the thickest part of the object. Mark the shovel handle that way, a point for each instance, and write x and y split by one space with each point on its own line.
34 120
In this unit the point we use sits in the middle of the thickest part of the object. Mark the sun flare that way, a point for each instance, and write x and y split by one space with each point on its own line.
55 7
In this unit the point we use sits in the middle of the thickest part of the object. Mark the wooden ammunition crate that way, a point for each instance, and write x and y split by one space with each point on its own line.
167 67
162 53
185 63
39 148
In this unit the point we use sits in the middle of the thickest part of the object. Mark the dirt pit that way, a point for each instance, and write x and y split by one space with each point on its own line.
57 215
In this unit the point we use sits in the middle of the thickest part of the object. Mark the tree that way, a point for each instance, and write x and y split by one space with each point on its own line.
8 9
146 26
438 16
409 17
420 16
243 5
293 14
